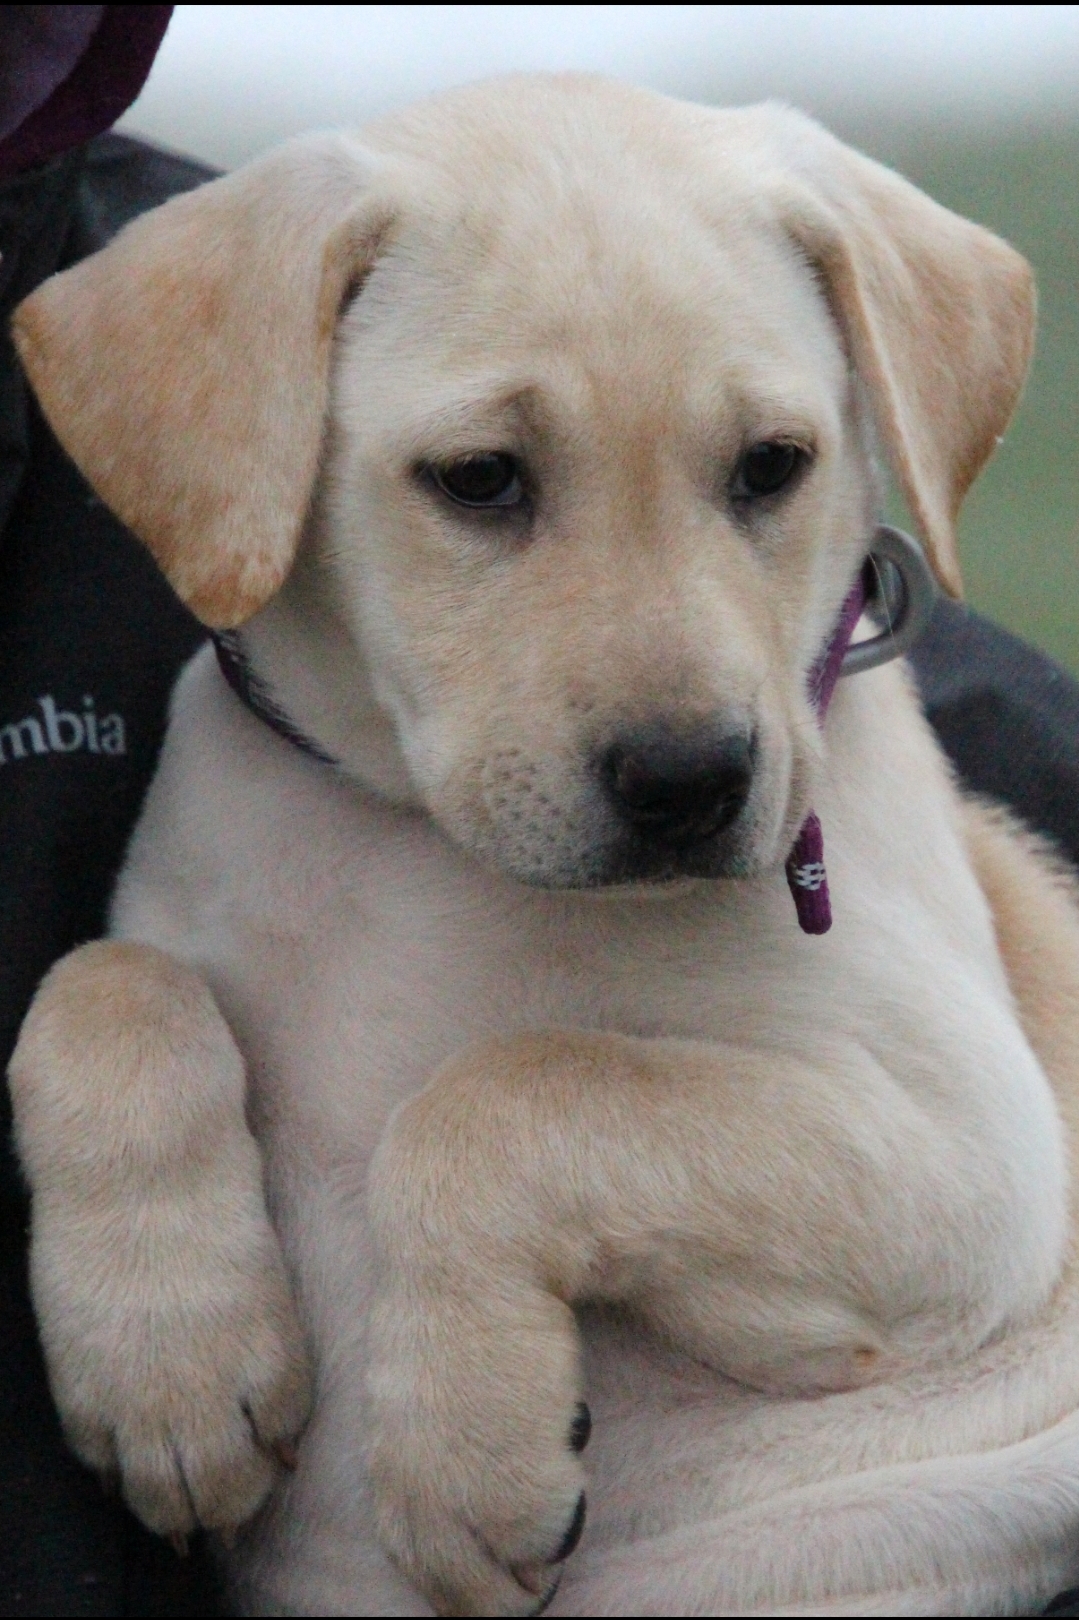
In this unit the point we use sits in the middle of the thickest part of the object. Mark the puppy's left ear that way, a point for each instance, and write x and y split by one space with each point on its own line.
185 367
937 313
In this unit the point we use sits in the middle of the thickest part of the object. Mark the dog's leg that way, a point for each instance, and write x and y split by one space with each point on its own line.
571 1180
1034 896
543 1170
173 1346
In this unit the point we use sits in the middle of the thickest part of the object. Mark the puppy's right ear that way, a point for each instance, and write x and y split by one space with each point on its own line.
185 368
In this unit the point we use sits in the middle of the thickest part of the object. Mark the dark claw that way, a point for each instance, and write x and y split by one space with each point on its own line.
548 1596
573 1532
580 1430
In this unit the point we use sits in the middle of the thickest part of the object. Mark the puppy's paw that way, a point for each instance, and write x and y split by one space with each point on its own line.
173 1345
477 1437
178 1365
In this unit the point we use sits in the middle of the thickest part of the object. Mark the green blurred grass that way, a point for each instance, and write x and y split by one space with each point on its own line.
1020 526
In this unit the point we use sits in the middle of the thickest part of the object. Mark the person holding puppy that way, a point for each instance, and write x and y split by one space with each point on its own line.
91 640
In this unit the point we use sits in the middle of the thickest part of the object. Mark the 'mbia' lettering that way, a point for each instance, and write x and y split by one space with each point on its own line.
62 731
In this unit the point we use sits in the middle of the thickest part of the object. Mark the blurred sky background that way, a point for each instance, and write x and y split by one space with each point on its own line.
977 104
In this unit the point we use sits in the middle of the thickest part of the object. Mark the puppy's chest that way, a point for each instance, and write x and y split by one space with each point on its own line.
353 948
351 962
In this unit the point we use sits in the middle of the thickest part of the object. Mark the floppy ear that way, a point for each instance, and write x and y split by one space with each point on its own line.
938 316
185 368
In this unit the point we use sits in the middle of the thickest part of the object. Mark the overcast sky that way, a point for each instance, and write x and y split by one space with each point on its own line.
232 79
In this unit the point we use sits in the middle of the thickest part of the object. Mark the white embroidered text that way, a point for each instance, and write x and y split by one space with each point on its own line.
62 731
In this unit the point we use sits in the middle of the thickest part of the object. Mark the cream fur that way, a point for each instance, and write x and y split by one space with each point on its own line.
792 1214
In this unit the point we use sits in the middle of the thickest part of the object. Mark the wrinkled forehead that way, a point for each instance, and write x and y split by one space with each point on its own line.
599 284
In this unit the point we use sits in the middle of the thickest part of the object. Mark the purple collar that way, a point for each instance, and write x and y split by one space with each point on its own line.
895 574
805 864
254 693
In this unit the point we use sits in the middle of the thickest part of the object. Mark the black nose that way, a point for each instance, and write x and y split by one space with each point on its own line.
679 790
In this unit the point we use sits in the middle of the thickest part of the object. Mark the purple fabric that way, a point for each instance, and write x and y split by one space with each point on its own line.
806 875
807 878
825 672
72 80
39 47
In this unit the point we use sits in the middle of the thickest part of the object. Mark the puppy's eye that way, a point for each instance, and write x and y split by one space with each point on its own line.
486 480
766 468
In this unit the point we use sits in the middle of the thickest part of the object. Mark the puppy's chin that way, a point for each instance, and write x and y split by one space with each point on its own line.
620 865
634 863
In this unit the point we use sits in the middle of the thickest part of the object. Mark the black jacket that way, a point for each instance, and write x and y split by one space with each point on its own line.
91 639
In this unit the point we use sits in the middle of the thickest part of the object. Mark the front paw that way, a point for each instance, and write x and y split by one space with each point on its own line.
174 1350
477 1431
175 1355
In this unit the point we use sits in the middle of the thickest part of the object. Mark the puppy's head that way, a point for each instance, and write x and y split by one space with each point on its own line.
563 395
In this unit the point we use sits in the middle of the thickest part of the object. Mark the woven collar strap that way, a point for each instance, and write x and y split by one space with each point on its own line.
257 696
896 576
805 864
906 617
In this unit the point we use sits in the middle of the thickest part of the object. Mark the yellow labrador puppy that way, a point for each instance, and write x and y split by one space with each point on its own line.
456 1037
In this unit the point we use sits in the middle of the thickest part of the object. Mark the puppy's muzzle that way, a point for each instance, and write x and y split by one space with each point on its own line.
675 794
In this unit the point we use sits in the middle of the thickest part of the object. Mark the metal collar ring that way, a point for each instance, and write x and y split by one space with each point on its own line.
902 590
